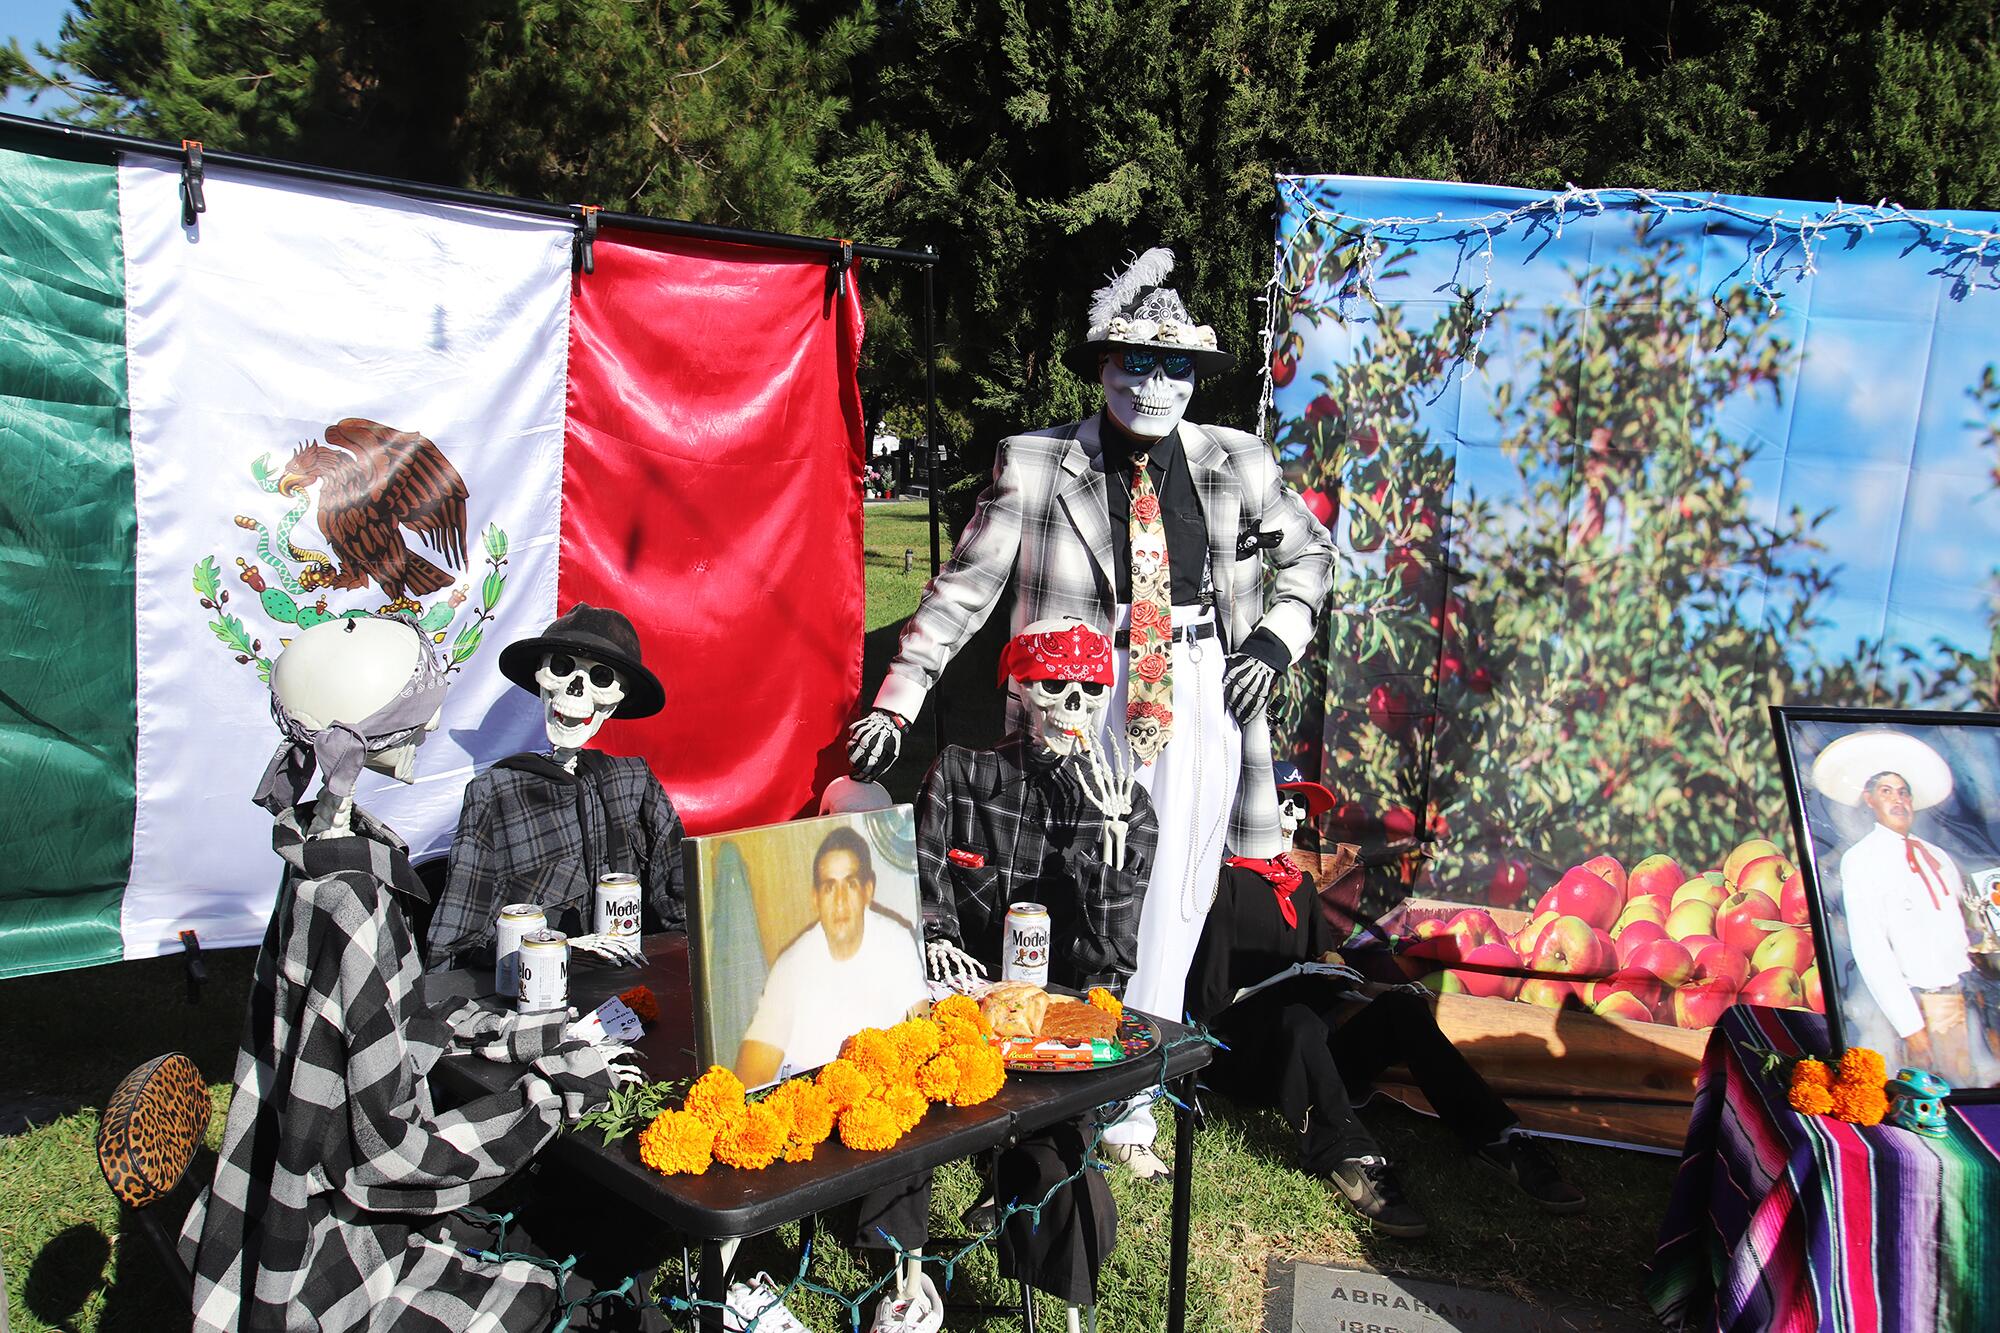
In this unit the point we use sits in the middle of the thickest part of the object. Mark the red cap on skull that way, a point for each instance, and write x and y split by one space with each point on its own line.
1065 649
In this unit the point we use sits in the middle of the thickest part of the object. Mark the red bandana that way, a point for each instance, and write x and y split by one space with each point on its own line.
1912 849
1075 652
1283 875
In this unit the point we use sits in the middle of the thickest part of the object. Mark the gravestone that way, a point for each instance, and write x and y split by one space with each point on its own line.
1323 1298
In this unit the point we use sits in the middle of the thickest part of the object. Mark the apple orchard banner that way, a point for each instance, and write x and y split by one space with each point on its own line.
1610 473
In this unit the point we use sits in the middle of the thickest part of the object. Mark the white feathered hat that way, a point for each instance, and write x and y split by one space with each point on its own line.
1135 309
1843 768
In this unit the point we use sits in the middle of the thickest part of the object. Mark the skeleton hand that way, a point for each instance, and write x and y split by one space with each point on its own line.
1246 686
873 744
1337 971
618 950
953 966
1105 776
623 1062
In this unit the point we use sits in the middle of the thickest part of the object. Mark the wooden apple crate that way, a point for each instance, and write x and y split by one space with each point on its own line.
1567 1072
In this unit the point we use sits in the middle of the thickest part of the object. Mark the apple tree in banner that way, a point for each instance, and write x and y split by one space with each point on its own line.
1520 680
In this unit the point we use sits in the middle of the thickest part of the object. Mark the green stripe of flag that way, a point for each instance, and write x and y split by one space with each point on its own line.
67 532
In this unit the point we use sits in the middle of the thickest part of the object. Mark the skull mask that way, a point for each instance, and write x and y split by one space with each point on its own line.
578 694
1067 713
1149 405
1291 814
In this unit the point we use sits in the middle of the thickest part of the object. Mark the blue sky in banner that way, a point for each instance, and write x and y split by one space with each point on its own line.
1872 422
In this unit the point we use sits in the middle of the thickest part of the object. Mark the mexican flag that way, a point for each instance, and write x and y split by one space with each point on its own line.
213 435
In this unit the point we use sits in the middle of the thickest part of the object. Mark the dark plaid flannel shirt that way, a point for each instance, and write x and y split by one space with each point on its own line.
1020 810
521 840
335 1165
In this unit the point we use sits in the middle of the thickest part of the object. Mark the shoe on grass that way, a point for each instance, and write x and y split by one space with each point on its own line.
1370 1184
1534 1172
982 1217
758 1301
922 1311
1139 1159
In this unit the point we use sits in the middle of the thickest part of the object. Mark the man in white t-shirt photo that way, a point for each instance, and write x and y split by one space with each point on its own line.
858 966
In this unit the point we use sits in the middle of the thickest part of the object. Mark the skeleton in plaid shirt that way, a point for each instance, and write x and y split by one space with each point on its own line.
327 1208
1042 817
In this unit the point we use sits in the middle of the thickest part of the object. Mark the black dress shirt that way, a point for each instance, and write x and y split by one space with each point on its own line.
1180 511
1246 939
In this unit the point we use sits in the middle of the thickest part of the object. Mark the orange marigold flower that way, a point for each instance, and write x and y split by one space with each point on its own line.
782 1102
1861 1065
843 1084
908 1106
958 1032
1811 1073
917 1040
1106 1001
753 1142
1859 1105
965 1009
1810 1099
677 1143
875 1055
799 1152
641 1001
807 1111
716 1097
980 1074
937 1077
869 1126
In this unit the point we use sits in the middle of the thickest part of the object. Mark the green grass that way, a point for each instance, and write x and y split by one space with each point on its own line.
71 1036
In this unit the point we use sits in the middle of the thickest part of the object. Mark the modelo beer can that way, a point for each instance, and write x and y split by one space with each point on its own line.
617 910
1025 956
544 972
515 922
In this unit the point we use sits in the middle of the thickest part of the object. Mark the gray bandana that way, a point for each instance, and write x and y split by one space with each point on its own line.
340 749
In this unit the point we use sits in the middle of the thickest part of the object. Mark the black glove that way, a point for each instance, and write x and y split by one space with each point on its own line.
873 744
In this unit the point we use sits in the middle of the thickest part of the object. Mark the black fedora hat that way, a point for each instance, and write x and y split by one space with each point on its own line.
589 631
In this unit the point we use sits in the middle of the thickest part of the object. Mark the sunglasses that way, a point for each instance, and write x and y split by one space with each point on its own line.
562 664
1178 365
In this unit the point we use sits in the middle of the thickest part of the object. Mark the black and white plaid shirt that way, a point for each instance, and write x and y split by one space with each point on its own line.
531 833
1019 812
335 1165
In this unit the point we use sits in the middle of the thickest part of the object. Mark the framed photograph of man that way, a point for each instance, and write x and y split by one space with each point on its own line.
800 935
1898 817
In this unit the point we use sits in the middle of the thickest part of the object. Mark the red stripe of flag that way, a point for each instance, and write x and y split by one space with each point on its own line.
712 492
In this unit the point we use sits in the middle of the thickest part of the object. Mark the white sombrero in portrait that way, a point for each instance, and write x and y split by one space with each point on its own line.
1843 768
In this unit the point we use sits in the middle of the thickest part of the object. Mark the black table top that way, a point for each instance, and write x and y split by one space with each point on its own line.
724 1203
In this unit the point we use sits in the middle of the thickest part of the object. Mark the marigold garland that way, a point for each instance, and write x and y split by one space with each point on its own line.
937 1077
1852 1091
843 1084
717 1097
641 1001
1105 1000
869 1126
753 1142
1811 1073
907 1105
980 1074
962 1008
873 1053
677 1143
1809 1093
1859 1104
1859 1065
917 1040
812 1114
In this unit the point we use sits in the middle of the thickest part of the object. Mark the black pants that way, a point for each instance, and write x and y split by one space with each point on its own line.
1286 1049
1062 1250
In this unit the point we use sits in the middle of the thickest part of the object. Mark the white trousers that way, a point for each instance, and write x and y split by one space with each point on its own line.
1193 787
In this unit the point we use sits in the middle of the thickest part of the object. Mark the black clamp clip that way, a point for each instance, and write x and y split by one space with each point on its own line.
193 201
836 276
197 970
583 252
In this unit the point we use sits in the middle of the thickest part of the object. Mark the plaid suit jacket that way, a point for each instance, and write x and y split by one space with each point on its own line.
1042 528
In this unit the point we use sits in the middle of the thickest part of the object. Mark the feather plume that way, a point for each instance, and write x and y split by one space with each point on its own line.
1148 270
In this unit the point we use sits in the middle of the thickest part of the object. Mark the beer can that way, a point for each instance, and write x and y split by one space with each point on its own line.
1025 952
617 907
544 972
515 921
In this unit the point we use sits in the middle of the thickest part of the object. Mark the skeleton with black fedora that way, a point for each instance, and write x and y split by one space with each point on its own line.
1160 529
541 827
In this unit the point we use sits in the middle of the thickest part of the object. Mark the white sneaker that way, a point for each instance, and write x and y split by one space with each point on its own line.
758 1299
922 1311
1139 1159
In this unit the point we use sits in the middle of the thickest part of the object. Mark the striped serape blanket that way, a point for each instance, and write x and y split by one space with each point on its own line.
1794 1223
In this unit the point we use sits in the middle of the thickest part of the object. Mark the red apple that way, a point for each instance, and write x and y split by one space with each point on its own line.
1745 853
1765 875
1788 947
1809 983
1568 946
1700 889
1490 970
1507 883
1623 1004
1429 926
1399 823
1651 908
1320 505
1657 874
1702 1006
1474 927
1480 681
1322 408
1390 709
1775 989
1607 951
1531 934
1584 893
1737 921
1664 959
1635 934
1690 918
1283 367
1607 869
1547 992
1694 944
1444 983
1792 907
1720 964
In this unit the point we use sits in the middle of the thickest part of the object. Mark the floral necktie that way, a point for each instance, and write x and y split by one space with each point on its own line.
1149 681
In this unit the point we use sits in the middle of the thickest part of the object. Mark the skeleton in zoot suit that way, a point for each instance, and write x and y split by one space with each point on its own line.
328 1208
1161 528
